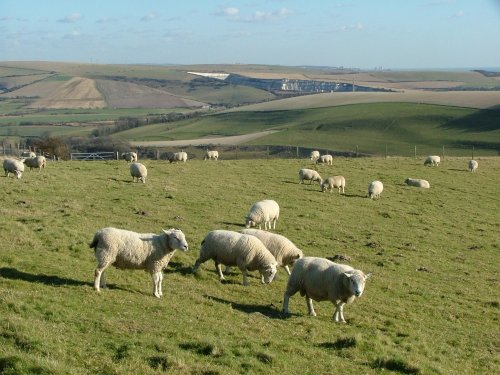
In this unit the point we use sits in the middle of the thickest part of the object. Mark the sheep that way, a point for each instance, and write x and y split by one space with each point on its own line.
36 162
211 155
138 171
246 252
320 279
283 250
178 156
473 165
314 155
333 182
417 183
130 157
28 154
375 189
432 160
325 159
125 249
309 174
13 166
265 211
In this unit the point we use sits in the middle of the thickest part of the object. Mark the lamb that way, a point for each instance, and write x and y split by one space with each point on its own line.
309 174
130 250
178 156
325 159
13 166
333 182
432 160
36 162
417 183
320 279
473 165
130 157
314 155
246 252
375 189
138 171
211 155
265 211
283 250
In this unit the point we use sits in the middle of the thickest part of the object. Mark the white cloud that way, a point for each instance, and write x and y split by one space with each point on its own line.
354 27
460 13
150 16
72 18
106 20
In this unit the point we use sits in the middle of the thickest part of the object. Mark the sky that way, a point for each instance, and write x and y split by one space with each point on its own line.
364 34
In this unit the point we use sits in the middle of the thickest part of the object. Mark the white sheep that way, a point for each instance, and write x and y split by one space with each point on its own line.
211 155
319 279
333 182
130 157
375 189
130 250
138 171
283 250
36 162
28 154
178 156
230 248
325 159
432 160
266 211
314 155
13 166
311 175
417 183
473 165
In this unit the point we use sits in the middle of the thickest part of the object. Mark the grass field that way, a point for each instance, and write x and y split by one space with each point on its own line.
432 306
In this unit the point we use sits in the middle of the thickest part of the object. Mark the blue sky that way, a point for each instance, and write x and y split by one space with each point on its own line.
367 34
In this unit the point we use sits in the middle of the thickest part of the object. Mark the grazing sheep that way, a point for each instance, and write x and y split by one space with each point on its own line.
375 189
130 250
28 154
314 155
333 182
36 162
309 174
319 279
178 156
13 166
325 159
283 250
230 248
432 160
130 157
417 183
265 211
211 155
138 171
473 165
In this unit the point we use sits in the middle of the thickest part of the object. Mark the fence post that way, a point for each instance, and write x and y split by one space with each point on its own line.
357 151
443 152
117 158
268 152
386 151
297 152
415 151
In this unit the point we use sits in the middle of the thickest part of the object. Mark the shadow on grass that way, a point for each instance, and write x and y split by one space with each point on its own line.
342 343
269 311
241 225
179 268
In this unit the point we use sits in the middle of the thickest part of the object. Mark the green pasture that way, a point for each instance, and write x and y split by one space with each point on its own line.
431 307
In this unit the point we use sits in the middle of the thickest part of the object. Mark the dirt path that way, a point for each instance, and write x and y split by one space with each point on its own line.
230 140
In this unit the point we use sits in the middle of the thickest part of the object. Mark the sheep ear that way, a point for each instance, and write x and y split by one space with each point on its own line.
297 256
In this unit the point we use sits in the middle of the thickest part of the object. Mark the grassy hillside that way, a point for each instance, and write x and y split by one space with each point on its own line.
431 307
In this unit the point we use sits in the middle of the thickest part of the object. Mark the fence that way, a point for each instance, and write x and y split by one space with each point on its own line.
86 156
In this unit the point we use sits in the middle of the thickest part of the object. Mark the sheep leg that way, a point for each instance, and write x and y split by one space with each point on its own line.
218 268
338 316
197 264
287 270
286 298
310 307
245 277
157 284
97 277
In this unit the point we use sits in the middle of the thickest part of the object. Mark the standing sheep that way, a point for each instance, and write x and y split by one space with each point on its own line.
28 154
311 175
333 182
13 166
473 165
130 157
325 159
36 162
230 248
138 171
265 211
375 189
130 250
314 155
417 183
211 155
432 160
178 156
319 279
283 250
